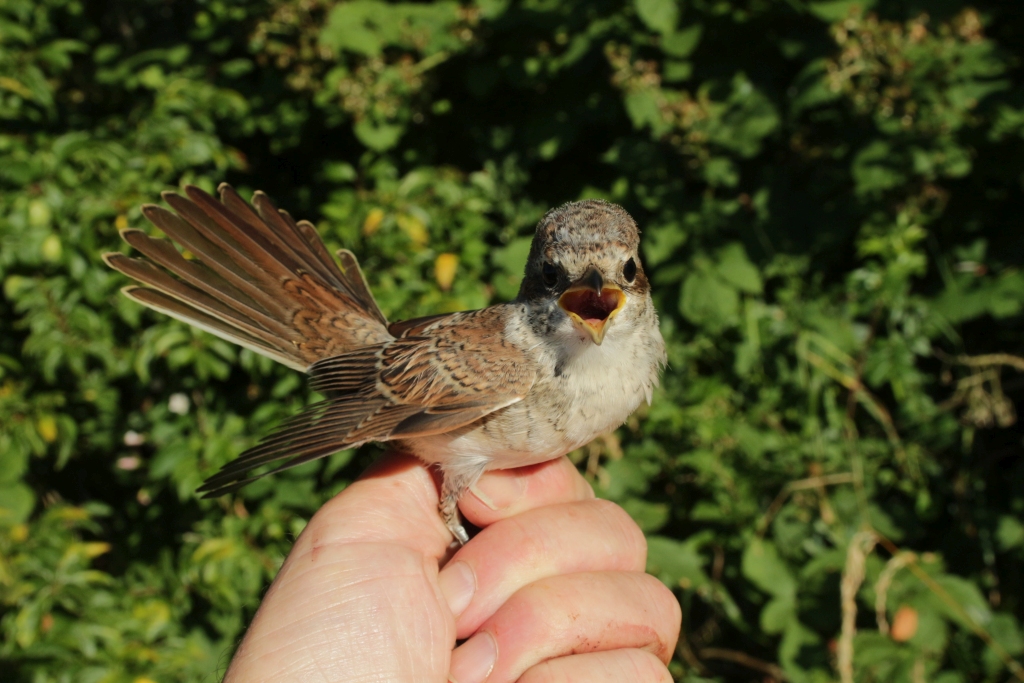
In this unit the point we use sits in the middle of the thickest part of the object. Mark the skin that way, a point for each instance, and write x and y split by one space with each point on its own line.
554 583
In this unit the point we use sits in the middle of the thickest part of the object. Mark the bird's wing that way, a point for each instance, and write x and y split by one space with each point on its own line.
409 387
255 277
415 326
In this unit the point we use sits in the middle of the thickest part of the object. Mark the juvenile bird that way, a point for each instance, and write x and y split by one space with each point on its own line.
509 385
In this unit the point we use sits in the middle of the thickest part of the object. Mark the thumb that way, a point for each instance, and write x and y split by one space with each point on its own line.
358 595
394 501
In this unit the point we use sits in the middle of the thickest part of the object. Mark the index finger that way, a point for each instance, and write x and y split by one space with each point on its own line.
500 494
395 501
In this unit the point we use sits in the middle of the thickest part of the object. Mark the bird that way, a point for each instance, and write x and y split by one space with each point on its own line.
513 384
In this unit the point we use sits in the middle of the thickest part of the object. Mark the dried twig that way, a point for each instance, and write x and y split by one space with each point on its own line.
684 650
862 543
989 359
917 673
897 562
743 659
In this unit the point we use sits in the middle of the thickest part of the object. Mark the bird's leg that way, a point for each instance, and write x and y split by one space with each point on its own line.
456 480
450 511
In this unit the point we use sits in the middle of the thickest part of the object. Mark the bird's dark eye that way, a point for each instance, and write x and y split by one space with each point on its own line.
629 270
550 274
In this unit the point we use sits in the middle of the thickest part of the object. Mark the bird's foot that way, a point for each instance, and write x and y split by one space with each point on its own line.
452 520
454 483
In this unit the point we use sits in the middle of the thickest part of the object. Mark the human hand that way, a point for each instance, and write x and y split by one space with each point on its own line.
551 589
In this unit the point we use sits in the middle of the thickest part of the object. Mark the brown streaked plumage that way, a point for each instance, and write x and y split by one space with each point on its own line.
505 386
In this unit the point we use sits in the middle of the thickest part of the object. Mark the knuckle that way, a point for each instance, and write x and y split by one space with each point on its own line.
564 481
617 520
645 667
636 666
546 672
667 614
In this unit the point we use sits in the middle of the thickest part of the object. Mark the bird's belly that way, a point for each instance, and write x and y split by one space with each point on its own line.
509 437
592 395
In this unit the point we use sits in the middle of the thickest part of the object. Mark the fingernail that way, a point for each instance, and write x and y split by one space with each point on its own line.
458 583
499 490
473 661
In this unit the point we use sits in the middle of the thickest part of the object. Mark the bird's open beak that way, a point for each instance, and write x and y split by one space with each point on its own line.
591 304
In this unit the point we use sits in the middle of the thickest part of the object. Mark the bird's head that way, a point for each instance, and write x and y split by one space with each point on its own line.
584 266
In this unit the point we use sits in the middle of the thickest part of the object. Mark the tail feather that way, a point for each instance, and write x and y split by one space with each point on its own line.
310 253
158 301
148 274
354 278
213 255
162 252
242 224
232 233
258 278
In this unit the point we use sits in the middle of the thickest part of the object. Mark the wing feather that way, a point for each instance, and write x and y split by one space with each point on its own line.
407 388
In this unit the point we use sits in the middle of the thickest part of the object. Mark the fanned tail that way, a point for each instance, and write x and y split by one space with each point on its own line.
256 278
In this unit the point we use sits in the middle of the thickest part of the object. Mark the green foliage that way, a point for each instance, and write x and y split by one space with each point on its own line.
830 476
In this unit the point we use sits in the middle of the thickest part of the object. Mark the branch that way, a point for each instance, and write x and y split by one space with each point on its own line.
743 659
992 359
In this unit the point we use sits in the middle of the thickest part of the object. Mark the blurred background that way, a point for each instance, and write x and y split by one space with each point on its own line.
831 196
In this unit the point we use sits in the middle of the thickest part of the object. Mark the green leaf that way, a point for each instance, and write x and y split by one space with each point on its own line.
659 15
13 460
677 564
872 649
16 503
648 516
777 614
763 567
366 26
661 241
359 26
707 301
745 118
721 172
836 10
875 169
812 89
1001 297
378 137
625 476
1009 533
735 268
643 110
1005 630
682 43
492 9
675 71
968 600
511 260
795 637
932 633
